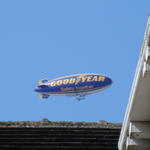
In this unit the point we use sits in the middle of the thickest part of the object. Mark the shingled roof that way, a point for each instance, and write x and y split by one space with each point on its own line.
47 134
44 123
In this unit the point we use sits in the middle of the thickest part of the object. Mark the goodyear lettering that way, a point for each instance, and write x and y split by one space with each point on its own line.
59 82
101 78
75 81
95 78
66 81
52 84
89 79
72 81
83 78
78 80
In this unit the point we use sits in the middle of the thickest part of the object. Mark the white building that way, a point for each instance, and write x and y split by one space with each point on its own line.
135 133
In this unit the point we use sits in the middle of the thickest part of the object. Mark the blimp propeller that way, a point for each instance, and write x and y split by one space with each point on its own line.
77 85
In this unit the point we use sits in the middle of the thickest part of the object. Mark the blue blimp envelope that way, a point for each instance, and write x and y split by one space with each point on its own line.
77 85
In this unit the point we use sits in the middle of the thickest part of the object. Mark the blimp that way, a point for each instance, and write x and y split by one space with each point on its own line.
78 85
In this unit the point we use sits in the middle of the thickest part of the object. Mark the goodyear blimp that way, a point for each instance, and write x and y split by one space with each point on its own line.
77 85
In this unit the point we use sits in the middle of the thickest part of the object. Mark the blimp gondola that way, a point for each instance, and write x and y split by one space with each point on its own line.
78 85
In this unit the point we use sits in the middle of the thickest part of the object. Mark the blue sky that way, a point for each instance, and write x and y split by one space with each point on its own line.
50 39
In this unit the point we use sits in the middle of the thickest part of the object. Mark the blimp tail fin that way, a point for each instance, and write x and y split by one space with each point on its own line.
44 96
43 81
